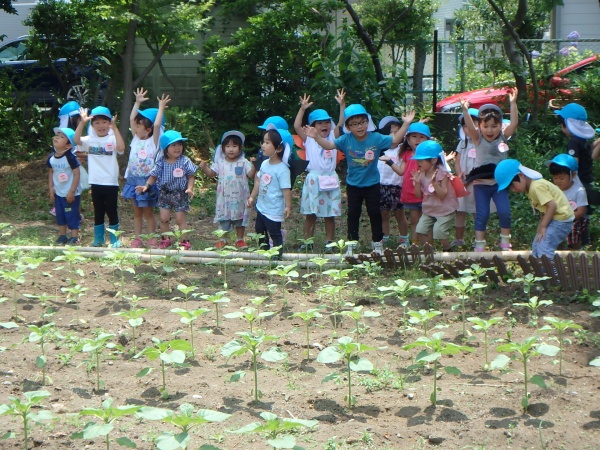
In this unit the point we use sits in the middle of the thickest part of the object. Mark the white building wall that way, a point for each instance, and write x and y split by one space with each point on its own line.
582 16
12 25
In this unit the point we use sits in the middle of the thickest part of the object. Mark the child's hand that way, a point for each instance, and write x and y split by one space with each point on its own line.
409 116
384 158
81 156
541 233
416 176
253 159
250 202
424 120
52 194
163 101
512 95
190 192
340 96
464 103
141 189
287 212
113 122
305 102
140 95
70 197
203 165
84 115
310 131
450 156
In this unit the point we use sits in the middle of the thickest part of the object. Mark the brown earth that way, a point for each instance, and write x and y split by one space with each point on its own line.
476 409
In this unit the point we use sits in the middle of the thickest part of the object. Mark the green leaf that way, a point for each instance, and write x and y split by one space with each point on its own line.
499 362
538 381
595 362
168 441
126 442
208 447
40 362
361 365
8 325
237 376
331 377
329 355
8 435
152 413
274 354
548 350
452 370
144 372
212 416
287 441
93 430
430 358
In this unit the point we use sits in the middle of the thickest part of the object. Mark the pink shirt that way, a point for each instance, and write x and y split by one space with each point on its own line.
432 205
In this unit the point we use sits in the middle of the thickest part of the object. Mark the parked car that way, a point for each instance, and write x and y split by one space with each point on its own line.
558 86
38 83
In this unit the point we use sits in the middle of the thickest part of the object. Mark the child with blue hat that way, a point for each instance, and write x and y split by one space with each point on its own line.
272 192
233 171
439 201
146 126
362 148
321 193
563 169
63 185
556 220
102 148
173 175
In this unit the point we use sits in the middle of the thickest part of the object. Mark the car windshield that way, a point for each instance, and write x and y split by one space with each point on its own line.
15 51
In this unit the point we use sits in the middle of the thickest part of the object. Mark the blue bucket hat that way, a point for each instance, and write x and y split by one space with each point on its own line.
490 106
508 169
564 160
169 137
278 121
70 134
473 112
318 114
572 111
69 109
419 127
151 114
428 149
357 110
101 111
387 120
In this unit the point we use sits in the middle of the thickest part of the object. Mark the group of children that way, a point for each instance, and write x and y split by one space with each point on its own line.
395 167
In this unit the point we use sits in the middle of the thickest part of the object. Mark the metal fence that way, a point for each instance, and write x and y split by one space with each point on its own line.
466 65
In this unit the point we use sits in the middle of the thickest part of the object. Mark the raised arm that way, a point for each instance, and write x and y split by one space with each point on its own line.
120 142
305 103
140 97
470 129
163 101
341 99
514 113
82 123
406 121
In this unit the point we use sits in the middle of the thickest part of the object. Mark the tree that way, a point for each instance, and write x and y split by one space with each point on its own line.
6 5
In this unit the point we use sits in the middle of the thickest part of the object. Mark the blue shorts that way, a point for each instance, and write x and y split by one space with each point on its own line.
67 213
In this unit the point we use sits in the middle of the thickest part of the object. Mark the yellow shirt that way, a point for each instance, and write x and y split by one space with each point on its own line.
541 192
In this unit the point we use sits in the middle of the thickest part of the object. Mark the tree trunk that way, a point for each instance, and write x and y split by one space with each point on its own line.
418 69
127 59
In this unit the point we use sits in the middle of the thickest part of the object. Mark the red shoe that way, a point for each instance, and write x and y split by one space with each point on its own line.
220 244
241 244
165 243
136 243
152 243
186 245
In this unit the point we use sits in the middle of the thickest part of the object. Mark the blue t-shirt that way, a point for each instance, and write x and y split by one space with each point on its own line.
362 157
273 178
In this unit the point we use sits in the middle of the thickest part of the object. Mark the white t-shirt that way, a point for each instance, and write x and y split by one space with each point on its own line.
141 157
576 194
319 160
102 159
387 176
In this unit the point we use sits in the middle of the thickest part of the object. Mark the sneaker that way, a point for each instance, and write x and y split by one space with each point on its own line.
505 246
457 243
52 211
62 240
152 243
377 247
305 248
220 244
186 245
73 241
351 249
241 244
165 242
137 243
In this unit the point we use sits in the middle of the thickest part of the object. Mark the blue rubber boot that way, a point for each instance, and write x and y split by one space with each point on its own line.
114 240
98 236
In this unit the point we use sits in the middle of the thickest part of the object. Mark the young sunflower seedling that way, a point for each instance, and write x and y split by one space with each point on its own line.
24 409
250 343
170 353
258 301
320 262
108 414
334 293
169 265
250 315
422 317
14 277
95 347
529 281
276 429
350 352
560 325
523 353
464 287
484 325
217 298
123 262
135 319
188 293
43 334
341 246
434 348
307 317
185 421
32 263
357 314
188 318
73 258
533 306
286 273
